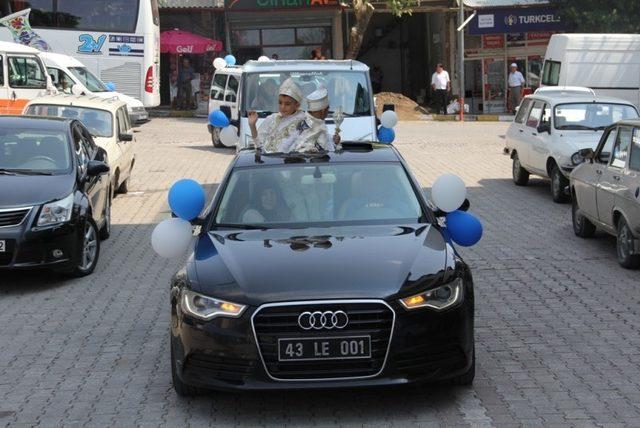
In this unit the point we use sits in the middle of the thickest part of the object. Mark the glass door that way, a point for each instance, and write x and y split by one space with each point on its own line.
494 85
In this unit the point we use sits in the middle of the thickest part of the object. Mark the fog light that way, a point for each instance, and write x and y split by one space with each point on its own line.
57 253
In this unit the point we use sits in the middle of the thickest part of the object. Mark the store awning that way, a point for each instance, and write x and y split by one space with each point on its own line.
191 4
183 42
478 4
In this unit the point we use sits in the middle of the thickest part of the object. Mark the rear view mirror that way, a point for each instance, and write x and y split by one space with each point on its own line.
95 168
544 127
77 90
586 154
464 207
125 136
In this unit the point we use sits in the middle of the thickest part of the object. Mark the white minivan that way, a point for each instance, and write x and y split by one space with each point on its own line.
254 86
607 63
66 71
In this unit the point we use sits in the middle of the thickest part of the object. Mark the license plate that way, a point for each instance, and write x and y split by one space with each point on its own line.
3 246
324 348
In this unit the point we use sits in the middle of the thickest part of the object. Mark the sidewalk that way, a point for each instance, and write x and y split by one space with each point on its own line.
472 117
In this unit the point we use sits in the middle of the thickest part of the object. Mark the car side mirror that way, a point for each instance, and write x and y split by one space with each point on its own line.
587 154
101 155
544 127
125 136
95 168
464 207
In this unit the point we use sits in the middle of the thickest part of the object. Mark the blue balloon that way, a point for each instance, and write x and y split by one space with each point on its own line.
230 59
111 87
219 119
186 199
386 135
464 228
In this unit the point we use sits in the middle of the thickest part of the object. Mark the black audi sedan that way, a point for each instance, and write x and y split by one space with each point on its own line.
54 195
321 271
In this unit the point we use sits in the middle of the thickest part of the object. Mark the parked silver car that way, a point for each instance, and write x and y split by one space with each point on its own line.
606 190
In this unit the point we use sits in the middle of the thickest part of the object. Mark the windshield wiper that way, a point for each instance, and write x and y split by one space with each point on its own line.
6 172
23 172
238 226
578 127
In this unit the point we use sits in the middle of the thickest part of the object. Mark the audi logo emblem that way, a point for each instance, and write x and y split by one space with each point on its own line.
318 320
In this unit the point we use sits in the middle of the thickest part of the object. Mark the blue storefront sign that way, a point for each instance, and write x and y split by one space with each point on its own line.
496 21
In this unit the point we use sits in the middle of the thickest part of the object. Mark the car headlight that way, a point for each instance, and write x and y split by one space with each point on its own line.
577 158
438 298
206 308
56 212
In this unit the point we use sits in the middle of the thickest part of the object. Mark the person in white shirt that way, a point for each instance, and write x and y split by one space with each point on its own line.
441 85
516 87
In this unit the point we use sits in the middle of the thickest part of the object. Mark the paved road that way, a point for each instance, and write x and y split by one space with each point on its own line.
557 332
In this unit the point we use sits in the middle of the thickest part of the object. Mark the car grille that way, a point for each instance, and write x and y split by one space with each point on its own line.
370 318
423 359
13 217
203 366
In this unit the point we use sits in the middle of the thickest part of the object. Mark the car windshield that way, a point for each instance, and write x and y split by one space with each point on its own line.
98 122
347 89
318 195
30 151
88 79
591 116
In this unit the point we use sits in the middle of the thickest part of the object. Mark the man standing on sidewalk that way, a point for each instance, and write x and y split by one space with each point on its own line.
441 85
516 86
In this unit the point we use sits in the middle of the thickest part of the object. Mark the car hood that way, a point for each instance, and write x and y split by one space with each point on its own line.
254 266
581 139
131 102
29 190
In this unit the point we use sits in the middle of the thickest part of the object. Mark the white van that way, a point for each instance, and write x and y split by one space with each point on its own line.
238 90
607 63
66 71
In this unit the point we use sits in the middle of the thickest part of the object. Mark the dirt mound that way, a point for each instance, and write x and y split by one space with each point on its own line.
406 108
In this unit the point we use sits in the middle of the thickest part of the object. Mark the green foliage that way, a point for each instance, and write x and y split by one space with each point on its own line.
599 16
401 7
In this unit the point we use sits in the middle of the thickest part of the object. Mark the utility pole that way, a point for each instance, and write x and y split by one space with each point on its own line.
461 56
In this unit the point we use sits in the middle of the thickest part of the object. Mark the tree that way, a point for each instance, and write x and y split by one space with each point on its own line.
363 10
597 16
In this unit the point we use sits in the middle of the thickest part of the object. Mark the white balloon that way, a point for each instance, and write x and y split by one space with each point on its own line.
264 58
219 63
171 237
389 119
448 192
229 136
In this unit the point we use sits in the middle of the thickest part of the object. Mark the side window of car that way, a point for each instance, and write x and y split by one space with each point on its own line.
217 87
605 152
536 113
1 70
26 72
621 147
231 94
634 157
81 150
546 115
523 110
122 121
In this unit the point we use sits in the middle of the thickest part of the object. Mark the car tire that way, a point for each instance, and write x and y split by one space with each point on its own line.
90 239
520 175
624 246
582 226
467 377
558 183
181 388
105 230
215 138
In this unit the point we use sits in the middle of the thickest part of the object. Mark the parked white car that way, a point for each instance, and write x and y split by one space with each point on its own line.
66 71
108 122
254 86
552 125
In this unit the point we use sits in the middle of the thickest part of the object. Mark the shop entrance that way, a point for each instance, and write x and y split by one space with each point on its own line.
473 85
494 85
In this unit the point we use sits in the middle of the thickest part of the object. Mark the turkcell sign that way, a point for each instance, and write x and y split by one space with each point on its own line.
495 21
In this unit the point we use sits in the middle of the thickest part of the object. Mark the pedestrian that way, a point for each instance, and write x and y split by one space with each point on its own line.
275 57
185 76
441 85
376 79
516 87
317 54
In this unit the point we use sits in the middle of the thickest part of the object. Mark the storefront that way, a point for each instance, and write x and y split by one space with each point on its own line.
288 29
497 38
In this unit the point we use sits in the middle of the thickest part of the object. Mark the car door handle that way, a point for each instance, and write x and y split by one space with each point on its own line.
13 95
616 177
599 172
520 130
534 134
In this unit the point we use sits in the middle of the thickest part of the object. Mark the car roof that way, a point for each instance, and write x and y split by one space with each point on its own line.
17 48
303 65
351 152
572 94
629 122
230 69
59 60
110 104
35 122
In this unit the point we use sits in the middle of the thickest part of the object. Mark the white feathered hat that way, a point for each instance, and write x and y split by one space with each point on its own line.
290 89
318 100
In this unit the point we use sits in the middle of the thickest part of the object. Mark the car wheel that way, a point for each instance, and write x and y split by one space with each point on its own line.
582 227
558 184
181 388
624 246
105 230
89 251
215 138
467 377
520 175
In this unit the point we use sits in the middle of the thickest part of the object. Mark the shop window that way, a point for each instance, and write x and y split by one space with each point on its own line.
231 93
621 148
313 35
245 37
551 73
279 36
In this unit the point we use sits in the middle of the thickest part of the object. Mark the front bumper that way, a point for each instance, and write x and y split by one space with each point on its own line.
139 116
223 354
55 247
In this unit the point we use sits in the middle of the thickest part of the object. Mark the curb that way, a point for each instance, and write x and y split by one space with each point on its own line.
471 118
